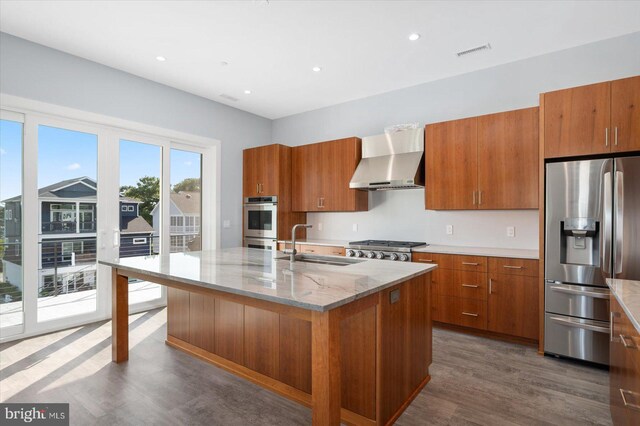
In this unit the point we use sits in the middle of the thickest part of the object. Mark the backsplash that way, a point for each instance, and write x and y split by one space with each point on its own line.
400 215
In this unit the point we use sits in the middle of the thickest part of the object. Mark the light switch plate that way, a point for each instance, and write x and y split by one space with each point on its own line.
319 226
449 229
355 227
511 231
226 224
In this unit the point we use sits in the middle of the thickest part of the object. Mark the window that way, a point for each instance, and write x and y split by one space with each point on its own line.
8 214
130 208
124 208
139 241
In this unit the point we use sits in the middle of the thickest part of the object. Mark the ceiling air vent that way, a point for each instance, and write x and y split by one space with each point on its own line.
228 97
474 50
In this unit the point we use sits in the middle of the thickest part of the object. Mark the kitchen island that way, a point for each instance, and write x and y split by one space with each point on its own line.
351 338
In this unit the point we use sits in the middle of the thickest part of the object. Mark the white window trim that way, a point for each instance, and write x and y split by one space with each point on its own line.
32 113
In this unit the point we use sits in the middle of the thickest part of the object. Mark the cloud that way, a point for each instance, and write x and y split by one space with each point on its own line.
3 151
73 166
187 163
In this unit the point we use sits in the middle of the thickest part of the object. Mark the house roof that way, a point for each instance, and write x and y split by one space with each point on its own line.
188 202
137 225
49 191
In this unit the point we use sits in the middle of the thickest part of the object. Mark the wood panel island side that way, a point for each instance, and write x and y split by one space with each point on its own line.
352 342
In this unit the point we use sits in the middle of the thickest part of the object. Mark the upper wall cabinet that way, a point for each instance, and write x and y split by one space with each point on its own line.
488 162
625 114
262 168
451 150
594 119
320 177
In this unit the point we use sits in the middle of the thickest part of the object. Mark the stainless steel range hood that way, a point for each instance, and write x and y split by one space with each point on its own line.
394 160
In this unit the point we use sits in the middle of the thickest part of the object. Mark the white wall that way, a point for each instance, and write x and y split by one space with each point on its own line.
401 214
37 72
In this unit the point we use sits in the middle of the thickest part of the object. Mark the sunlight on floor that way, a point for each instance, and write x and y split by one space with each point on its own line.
49 370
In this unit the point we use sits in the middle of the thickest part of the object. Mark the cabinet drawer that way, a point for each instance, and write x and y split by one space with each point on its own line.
460 311
503 265
465 284
442 260
324 250
469 263
471 285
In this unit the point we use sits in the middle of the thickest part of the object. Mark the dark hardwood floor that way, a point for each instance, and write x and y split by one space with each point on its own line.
475 381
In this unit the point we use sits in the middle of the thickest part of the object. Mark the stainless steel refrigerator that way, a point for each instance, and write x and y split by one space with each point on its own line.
592 232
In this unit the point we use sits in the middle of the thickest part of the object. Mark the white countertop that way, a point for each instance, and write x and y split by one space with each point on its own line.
319 242
627 293
256 273
480 251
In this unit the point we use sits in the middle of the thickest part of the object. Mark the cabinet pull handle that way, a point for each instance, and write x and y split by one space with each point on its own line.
425 260
513 267
612 316
310 251
474 198
257 188
606 136
628 404
631 345
470 263
615 136
490 285
479 197
469 314
470 285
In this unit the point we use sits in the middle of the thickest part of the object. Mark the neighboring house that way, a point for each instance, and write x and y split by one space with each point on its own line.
68 236
184 221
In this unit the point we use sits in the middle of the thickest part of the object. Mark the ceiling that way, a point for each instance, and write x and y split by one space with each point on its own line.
270 47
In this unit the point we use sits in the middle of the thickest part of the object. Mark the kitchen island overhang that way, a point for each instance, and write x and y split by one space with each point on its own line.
352 342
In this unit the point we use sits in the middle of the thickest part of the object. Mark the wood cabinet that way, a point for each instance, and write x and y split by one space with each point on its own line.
624 369
508 160
384 348
499 295
262 169
593 119
625 114
488 162
267 172
320 177
314 249
512 304
451 161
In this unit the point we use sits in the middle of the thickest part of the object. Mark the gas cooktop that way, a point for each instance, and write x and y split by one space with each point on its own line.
387 244
382 249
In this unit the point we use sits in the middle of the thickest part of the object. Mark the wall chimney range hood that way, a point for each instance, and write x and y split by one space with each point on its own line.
394 160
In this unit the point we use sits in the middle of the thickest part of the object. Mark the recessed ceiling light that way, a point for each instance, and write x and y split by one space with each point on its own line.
414 36
161 58
224 63
247 92
316 69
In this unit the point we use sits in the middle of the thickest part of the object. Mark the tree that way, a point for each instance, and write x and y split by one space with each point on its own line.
188 184
146 190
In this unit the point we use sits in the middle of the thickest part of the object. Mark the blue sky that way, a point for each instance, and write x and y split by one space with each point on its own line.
65 154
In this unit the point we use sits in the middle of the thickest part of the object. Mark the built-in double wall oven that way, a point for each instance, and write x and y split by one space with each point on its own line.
261 222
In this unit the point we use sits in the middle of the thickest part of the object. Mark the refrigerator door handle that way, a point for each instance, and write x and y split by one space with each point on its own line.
618 208
608 226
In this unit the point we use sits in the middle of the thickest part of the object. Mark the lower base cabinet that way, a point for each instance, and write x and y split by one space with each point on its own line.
497 295
624 369
385 345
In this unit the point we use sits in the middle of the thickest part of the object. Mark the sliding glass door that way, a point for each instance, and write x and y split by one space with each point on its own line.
73 192
11 286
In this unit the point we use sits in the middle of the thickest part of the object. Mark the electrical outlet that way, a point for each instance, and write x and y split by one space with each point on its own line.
449 229
511 231
226 224
355 227
320 226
